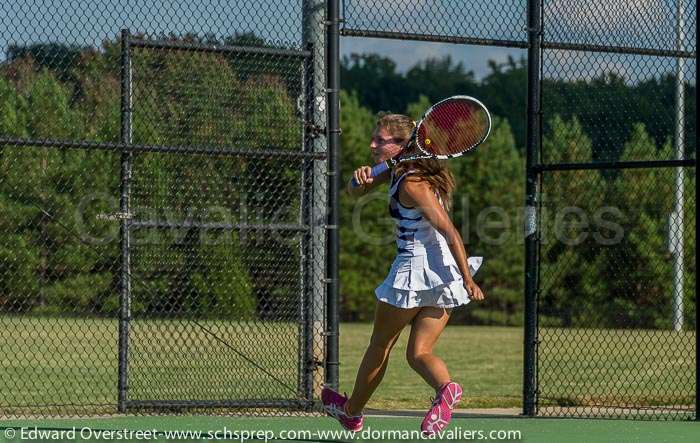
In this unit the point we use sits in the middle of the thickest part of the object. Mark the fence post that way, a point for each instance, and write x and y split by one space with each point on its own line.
314 36
333 131
124 204
534 28
697 298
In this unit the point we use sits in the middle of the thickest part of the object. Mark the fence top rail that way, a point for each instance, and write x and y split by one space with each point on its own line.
518 43
203 47
618 49
433 38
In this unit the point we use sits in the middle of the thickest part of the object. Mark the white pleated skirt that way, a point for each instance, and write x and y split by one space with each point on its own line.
431 279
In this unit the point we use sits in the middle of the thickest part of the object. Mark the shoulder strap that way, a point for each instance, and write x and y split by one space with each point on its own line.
396 180
394 188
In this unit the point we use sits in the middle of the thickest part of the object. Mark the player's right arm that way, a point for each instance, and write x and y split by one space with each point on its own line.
363 176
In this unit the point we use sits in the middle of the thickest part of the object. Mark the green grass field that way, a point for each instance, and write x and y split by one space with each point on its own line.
577 367
60 361
486 360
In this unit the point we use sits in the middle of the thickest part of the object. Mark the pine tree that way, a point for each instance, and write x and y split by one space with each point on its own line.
638 271
42 192
487 211
569 229
366 228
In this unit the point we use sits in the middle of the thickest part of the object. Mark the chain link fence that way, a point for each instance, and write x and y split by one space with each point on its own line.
616 295
164 192
501 22
163 202
610 215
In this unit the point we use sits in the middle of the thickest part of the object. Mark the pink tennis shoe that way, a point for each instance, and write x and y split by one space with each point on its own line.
334 405
440 413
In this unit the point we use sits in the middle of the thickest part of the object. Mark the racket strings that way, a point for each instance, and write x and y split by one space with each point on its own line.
453 127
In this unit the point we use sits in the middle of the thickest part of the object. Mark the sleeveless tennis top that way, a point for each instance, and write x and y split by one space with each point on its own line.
424 272
415 235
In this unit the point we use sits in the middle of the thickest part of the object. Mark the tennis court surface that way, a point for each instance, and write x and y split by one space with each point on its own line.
324 429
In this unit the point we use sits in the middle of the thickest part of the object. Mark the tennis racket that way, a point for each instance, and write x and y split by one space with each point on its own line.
448 129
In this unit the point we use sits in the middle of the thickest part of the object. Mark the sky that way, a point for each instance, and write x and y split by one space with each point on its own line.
84 22
407 53
89 22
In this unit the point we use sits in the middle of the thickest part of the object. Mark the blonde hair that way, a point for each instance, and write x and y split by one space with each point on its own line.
435 172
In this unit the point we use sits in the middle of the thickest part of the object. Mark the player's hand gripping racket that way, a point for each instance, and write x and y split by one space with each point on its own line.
448 129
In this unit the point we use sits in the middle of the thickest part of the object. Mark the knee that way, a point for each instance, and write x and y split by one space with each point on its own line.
414 356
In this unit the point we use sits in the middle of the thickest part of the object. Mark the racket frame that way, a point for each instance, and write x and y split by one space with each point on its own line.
414 135
379 168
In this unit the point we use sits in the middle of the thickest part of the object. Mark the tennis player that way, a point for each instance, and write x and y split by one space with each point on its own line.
430 276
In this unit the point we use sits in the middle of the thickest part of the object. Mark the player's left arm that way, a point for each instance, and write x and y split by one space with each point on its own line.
419 194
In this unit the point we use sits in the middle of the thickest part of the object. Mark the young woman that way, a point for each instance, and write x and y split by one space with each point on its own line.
430 276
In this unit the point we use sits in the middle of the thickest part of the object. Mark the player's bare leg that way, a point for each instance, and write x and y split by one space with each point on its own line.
389 321
426 328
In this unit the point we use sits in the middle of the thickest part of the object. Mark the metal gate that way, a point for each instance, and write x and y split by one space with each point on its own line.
216 257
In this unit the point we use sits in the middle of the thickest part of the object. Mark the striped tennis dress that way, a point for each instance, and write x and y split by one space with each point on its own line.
424 272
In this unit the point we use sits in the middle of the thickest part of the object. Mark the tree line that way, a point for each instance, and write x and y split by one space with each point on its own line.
70 93
59 248
604 261
605 257
606 106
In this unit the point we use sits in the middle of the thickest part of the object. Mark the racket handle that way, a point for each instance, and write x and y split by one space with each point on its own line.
376 170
